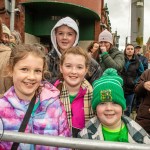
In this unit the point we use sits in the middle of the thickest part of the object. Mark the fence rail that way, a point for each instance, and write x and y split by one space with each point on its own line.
58 141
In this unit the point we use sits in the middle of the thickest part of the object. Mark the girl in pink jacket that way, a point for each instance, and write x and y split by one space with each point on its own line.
76 91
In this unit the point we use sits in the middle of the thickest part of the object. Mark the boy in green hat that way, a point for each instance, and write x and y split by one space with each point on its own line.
110 124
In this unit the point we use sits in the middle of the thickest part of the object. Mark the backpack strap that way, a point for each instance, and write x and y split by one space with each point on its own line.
25 121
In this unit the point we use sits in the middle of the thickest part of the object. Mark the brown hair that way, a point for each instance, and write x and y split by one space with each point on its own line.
95 55
21 51
91 46
77 50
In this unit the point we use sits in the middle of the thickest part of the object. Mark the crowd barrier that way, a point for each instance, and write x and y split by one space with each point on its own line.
67 142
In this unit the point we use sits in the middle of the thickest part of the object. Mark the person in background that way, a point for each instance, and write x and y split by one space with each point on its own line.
75 91
93 50
64 35
131 72
5 35
143 59
109 123
15 38
27 67
142 90
110 57
1 30
5 51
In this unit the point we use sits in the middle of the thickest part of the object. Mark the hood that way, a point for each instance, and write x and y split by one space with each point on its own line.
6 30
70 23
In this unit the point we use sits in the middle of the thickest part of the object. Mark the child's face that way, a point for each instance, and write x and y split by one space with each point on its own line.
27 76
109 114
73 70
65 37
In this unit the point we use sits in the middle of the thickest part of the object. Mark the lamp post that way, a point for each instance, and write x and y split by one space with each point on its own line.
137 21
126 40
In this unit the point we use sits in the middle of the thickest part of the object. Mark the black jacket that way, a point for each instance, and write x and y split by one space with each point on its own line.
131 72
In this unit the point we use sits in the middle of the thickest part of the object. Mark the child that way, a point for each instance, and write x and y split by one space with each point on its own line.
76 92
64 35
5 51
109 124
27 66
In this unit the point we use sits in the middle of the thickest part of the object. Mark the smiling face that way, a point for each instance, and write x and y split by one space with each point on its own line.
27 76
109 114
73 70
65 37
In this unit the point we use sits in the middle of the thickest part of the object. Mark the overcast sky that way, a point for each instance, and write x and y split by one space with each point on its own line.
120 18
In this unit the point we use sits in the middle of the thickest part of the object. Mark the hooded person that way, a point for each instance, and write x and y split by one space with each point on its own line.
64 35
109 123
5 51
5 34
110 56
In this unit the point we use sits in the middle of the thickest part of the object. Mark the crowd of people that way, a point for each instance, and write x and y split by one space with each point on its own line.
73 92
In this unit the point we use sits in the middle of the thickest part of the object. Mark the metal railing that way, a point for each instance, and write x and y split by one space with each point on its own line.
58 141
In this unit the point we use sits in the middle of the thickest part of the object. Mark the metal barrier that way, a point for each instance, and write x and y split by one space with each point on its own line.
67 142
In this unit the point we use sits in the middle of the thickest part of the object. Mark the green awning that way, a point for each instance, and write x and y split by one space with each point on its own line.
55 8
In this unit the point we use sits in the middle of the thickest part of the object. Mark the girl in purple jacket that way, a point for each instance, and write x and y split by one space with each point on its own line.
27 67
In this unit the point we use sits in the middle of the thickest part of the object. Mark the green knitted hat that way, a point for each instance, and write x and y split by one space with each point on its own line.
108 88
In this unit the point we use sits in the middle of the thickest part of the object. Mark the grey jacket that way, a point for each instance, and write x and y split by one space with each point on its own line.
114 59
136 134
